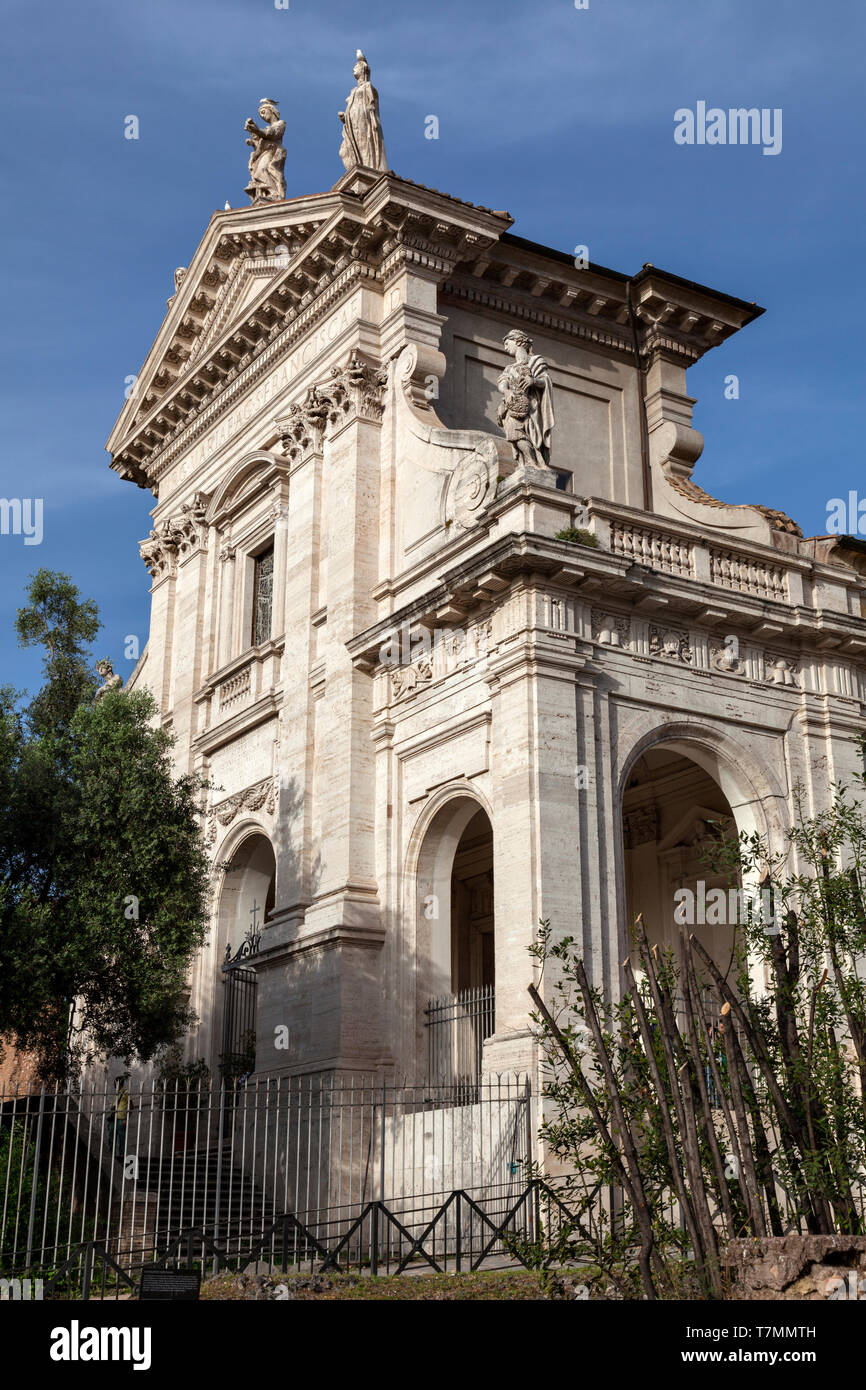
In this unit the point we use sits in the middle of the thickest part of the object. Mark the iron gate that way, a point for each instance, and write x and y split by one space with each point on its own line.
238 1056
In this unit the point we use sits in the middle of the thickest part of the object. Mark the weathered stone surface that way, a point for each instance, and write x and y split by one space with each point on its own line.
797 1267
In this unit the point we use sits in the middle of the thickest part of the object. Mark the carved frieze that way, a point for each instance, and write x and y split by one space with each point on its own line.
671 643
260 796
610 629
451 650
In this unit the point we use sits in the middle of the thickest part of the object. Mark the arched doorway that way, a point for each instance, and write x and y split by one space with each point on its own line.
676 819
455 940
246 901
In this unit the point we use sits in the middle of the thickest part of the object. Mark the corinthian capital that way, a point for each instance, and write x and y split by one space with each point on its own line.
356 390
301 430
159 551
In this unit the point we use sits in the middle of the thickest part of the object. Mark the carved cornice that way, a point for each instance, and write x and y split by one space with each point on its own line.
530 311
247 373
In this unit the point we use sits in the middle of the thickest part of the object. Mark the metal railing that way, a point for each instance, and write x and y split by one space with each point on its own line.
78 1170
457 1025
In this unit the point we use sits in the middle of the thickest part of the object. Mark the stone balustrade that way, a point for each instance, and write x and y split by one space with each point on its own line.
231 691
242 682
657 549
748 575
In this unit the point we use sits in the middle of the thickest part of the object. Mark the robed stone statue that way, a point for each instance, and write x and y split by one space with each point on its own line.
526 409
363 141
268 158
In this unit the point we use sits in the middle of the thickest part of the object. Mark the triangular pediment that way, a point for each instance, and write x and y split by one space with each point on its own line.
219 291
257 270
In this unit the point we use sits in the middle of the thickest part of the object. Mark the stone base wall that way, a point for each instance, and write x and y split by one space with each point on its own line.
803 1268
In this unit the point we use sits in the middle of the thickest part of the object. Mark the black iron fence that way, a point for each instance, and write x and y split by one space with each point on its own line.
125 1172
459 1231
457 1025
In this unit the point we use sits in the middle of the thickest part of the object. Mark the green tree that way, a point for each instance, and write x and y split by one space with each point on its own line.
103 875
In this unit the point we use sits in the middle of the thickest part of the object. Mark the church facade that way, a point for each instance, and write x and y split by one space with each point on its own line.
442 616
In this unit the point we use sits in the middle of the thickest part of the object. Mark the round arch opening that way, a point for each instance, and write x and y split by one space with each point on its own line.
247 893
455 940
680 802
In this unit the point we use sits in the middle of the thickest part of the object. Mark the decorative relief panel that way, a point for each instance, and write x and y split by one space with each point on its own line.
780 670
472 485
261 796
610 629
452 650
671 643
725 657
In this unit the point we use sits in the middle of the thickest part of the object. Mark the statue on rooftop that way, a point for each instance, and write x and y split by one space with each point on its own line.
363 142
267 183
110 679
526 409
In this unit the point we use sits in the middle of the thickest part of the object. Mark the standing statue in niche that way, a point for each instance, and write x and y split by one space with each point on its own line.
363 141
267 161
526 409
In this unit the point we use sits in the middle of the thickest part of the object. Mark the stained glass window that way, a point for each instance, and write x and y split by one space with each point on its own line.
263 594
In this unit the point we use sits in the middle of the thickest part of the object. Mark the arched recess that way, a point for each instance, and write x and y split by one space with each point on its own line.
682 787
246 894
246 898
450 909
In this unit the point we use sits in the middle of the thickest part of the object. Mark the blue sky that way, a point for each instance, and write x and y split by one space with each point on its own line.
564 116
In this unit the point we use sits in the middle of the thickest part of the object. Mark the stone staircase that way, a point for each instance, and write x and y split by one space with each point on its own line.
180 1190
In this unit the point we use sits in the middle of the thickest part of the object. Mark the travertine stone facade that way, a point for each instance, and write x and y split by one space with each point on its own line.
325 383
